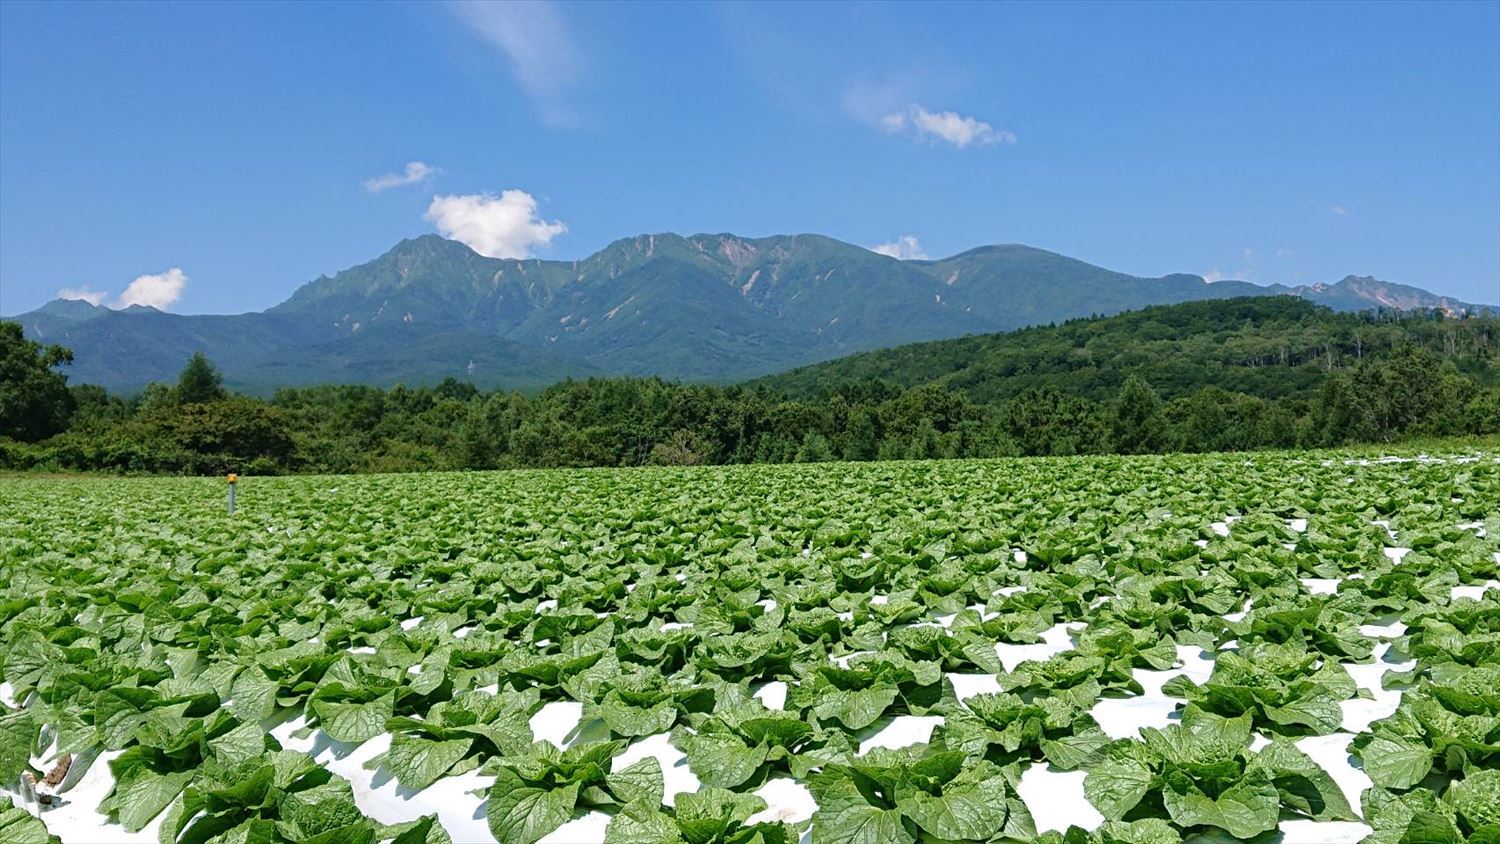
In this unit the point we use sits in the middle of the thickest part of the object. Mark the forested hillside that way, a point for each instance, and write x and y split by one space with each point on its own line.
1228 376
1270 347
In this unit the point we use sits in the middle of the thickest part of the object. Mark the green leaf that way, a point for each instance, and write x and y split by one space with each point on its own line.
1431 828
1244 810
253 695
1319 712
639 782
642 822
1116 785
1144 831
859 813
857 709
359 832
1302 783
1069 752
424 830
627 720
523 814
1393 764
1179 686
246 741
18 734
324 813
709 814
248 787
419 762
859 823
18 826
974 812
141 794
251 831
774 730
1476 799
354 722
721 760
294 768
1390 815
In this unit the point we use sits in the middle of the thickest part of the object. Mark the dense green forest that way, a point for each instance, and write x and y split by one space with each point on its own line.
1207 376
1271 347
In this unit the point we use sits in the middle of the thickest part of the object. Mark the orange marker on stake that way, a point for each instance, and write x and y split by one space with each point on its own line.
232 479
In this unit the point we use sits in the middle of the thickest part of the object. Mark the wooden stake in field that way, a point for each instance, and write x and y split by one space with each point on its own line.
233 478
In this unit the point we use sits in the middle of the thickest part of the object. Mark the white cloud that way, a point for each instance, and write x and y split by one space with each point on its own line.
1247 253
416 171
905 248
1339 210
535 39
1283 253
500 227
93 297
1213 276
156 291
949 126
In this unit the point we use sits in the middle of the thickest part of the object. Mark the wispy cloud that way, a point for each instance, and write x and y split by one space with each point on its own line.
535 39
868 97
905 248
506 226
158 290
93 297
948 126
1282 252
416 172
1338 210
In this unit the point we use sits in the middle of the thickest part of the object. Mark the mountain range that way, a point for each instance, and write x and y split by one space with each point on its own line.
710 307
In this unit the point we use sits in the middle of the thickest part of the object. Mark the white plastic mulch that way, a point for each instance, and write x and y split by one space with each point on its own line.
1055 798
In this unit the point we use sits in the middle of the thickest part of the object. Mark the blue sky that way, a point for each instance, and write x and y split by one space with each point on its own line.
242 146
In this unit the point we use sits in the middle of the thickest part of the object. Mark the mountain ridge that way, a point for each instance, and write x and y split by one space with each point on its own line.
706 307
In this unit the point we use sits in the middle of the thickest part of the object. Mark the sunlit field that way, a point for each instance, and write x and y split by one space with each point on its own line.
1145 648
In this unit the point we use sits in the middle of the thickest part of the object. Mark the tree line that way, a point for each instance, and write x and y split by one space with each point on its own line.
197 426
1266 346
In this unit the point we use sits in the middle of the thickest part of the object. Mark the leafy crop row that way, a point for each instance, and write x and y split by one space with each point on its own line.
141 625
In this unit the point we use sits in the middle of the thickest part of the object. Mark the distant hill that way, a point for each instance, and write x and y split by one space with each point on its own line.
711 307
125 350
1264 346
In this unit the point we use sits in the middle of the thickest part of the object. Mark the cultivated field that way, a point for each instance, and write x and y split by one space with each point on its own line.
1145 648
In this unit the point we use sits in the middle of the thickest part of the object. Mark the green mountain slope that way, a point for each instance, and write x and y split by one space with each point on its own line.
1264 346
1017 286
422 283
387 356
710 307
125 350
